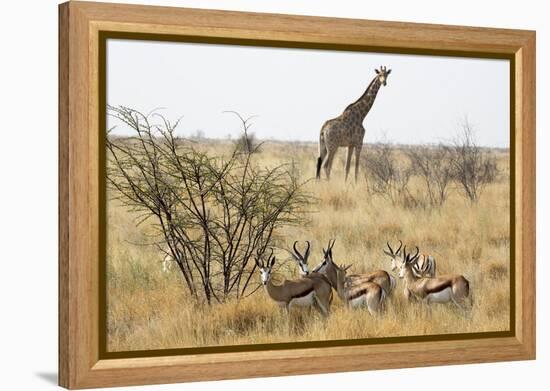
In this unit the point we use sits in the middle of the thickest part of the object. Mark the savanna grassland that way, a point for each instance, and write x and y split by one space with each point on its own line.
151 309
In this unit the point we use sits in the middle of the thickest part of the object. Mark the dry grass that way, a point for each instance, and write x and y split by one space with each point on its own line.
149 309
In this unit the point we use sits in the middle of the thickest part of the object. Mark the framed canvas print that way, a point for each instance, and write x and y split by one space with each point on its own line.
247 195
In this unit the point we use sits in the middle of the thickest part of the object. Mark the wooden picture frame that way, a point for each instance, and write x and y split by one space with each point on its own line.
82 363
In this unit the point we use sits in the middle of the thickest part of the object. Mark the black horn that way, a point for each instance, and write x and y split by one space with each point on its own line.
271 259
415 255
400 245
296 250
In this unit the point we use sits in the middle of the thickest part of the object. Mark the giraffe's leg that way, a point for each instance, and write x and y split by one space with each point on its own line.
324 163
322 158
348 160
357 156
328 161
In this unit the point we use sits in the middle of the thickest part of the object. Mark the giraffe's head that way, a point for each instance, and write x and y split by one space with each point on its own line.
383 73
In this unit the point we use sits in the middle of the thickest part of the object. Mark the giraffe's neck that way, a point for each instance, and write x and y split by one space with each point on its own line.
363 105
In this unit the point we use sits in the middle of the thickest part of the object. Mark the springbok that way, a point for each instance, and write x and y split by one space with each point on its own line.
423 267
304 292
352 291
380 277
359 293
303 268
450 288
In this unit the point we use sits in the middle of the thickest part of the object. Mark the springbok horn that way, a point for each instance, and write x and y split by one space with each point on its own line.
391 250
417 251
296 250
400 245
328 248
271 259
306 254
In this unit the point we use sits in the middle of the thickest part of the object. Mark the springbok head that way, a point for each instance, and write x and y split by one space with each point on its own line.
301 259
265 269
408 261
341 272
339 278
383 74
393 254
327 258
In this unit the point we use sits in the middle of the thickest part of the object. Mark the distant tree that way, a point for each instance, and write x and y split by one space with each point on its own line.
433 165
385 177
198 135
246 142
471 166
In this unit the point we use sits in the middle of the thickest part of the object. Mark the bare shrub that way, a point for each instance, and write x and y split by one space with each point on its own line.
213 214
433 165
472 167
386 177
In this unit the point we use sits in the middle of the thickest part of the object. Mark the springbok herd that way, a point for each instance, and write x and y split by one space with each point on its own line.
314 288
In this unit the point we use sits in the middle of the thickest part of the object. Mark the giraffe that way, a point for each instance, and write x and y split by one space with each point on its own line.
347 129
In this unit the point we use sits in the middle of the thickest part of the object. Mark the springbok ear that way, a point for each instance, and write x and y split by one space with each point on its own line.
388 72
388 253
272 262
377 71
258 263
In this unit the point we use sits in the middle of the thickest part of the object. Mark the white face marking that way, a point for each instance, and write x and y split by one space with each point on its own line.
304 270
402 270
265 272
393 264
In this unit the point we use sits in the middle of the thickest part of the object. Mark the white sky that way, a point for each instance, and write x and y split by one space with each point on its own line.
294 91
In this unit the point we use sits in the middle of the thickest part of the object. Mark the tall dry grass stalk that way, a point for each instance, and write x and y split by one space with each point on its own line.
149 309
